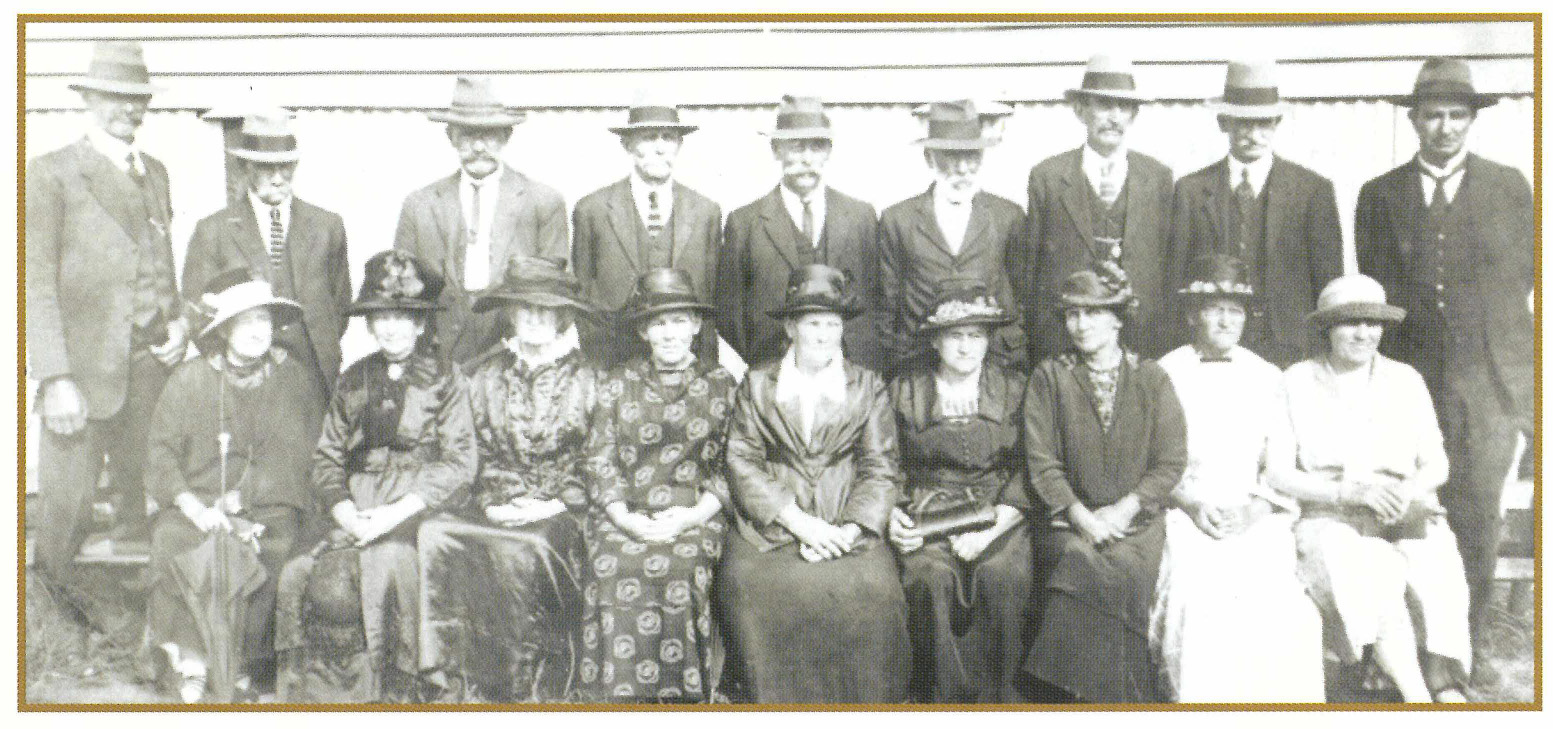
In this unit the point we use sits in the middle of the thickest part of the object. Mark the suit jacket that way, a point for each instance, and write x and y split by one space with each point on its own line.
1059 240
530 220
1302 249
761 247
320 272
606 259
1486 298
86 223
914 257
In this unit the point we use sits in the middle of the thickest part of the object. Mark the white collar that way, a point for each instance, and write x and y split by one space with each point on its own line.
829 383
794 205
1452 165
466 181
1259 170
262 209
115 149
1093 159
555 350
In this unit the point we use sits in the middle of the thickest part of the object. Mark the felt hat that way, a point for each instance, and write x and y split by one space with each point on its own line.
1250 92
1105 285
542 282
817 287
475 105
647 112
267 137
662 289
1354 297
1218 276
954 125
397 281
962 301
801 117
118 67
235 291
1448 79
1108 77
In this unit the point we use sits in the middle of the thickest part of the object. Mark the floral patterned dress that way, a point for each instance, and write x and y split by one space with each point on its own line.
657 443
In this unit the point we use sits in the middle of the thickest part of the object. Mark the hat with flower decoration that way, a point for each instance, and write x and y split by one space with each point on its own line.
963 301
397 281
1218 276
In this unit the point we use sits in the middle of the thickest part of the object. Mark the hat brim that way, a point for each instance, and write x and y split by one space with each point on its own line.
283 312
503 299
270 157
955 144
362 308
1095 302
127 88
681 128
847 311
1476 101
488 121
803 133
1248 111
985 320
1357 311
1118 94
635 315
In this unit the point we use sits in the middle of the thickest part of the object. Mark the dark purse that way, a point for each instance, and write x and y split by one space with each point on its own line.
969 516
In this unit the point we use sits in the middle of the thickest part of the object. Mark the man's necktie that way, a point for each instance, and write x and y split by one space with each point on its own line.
134 172
808 222
1245 197
1109 190
1439 202
654 214
474 213
477 268
277 238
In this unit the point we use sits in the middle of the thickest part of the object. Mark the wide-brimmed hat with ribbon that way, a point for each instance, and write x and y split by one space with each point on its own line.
662 289
649 113
801 117
235 291
541 282
1354 297
1447 79
118 67
397 281
1105 285
963 301
1218 276
817 287
954 125
475 105
1250 92
1108 77
266 137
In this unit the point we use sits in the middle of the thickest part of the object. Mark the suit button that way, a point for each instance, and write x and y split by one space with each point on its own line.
1442 305
1439 236
1439 287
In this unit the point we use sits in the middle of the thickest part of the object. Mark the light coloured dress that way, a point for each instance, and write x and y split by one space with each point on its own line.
1231 621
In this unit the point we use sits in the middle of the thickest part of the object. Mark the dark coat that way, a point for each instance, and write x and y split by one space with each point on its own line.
761 248
914 257
1060 240
86 224
320 271
1303 249
530 220
983 455
1492 291
606 259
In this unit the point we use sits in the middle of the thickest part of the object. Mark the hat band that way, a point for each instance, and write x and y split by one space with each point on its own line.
651 114
118 71
802 120
1251 96
268 143
1108 81
468 109
1444 87
964 129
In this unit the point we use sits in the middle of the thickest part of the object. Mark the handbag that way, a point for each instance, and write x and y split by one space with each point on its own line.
969 516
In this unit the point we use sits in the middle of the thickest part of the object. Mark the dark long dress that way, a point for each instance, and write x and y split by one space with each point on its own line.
349 616
271 413
504 605
1094 606
970 622
830 631
657 443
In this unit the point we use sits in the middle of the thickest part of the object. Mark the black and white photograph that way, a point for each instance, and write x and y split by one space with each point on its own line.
1012 362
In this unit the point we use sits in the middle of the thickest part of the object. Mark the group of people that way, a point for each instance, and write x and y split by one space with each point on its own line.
1143 441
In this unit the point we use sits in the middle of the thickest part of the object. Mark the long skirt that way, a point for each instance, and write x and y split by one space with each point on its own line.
181 599
970 622
652 635
822 632
503 610
1232 622
1358 581
1094 615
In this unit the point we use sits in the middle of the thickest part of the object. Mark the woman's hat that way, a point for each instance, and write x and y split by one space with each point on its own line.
1250 92
954 125
1218 276
963 301
542 282
801 117
1447 79
118 67
648 113
817 287
1354 297
1105 286
235 291
397 281
1108 77
267 137
662 289
475 105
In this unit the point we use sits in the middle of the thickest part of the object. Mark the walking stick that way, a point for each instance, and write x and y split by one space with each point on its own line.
219 651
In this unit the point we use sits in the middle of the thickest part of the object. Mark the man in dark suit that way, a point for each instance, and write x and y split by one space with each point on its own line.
801 221
1101 201
1276 216
1450 236
103 315
470 223
647 220
296 246
953 230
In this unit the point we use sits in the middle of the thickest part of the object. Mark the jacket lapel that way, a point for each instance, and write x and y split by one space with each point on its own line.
243 230
300 242
112 188
504 225
1137 192
1075 188
927 222
682 217
777 230
621 211
976 228
450 218
1218 190
1280 191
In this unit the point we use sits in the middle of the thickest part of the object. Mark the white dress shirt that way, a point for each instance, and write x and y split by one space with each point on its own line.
1258 172
261 216
794 205
1451 172
477 258
639 190
116 150
1100 169
953 219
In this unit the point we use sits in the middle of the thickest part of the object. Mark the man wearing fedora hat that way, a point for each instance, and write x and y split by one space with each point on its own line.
1450 236
298 247
647 220
469 223
801 221
953 230
103 315
1274 215
1083 201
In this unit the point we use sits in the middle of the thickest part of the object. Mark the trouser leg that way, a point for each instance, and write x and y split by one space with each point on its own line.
69 467
127 433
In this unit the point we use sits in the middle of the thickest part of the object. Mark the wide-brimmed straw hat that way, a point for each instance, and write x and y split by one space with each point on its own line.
1446 79
650 113
817 287
541 282
118 67
475 105
1354 297
1108 77
266 137
954 125
1105 285
662 289
397 281
235 291
1218 276
963 301
1250 92
801 117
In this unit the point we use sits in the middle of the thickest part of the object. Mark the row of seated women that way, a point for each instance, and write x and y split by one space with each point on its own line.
1102 529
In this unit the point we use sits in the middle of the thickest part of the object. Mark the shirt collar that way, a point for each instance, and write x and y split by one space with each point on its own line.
829 383
115 149
563 345
1452 165
466 181
1259 171
1093 159
795 204
262 208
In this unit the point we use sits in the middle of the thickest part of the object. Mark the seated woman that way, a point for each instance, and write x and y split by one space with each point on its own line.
1231 621
1360 448
504 581
809 594
1107 442
227 461
659 493
962 449
397 445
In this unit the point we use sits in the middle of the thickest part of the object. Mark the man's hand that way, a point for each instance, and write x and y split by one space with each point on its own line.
64 408
171 352
903 532
970 545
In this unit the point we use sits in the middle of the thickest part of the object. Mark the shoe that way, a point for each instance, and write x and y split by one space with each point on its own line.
192 688
1450 695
